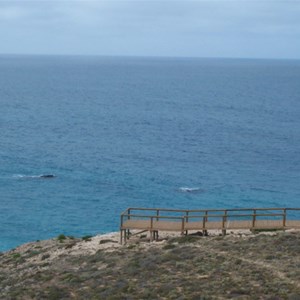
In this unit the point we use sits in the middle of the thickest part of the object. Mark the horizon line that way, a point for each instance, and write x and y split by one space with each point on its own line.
147 56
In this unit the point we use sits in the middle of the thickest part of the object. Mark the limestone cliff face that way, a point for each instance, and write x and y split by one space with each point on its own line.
236 266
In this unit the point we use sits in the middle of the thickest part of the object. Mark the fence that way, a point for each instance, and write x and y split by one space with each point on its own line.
161 219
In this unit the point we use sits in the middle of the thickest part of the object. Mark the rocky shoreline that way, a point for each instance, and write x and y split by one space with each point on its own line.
238 266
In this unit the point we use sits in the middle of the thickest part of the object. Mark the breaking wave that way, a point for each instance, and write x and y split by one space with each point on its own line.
20 176
190 189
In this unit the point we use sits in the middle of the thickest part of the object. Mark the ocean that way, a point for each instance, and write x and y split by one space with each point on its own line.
120 132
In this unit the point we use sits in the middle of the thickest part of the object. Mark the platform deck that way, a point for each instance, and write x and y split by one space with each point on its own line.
182 221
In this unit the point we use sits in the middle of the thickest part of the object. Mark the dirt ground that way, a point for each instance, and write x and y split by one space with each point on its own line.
237 266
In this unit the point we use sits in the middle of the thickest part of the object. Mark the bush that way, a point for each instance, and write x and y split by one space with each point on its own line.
87 238
61 238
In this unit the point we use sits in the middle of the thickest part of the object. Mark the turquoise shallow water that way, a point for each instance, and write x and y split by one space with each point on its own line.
120 132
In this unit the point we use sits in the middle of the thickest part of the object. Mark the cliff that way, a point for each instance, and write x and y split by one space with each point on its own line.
239 266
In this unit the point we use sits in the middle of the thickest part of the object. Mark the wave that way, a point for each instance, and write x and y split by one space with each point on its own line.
190 189
21 176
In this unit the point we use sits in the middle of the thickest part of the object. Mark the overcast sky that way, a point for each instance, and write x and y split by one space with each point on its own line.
213 28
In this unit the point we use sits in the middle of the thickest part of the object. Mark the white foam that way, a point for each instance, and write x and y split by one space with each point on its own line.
21 176
189 189
27 176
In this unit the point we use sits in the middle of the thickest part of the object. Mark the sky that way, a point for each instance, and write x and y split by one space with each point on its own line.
184 28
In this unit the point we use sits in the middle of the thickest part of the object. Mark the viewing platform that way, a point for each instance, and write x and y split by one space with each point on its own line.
183 221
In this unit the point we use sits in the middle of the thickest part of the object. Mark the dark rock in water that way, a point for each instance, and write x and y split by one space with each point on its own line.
47 176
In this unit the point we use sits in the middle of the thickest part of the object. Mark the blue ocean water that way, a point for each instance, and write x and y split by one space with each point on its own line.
151 132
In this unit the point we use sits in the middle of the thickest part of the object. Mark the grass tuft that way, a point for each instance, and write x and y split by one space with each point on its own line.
87 238
61 238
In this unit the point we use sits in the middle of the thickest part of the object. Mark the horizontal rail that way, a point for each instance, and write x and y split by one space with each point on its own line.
231 216
157 209
203 216
154 217
208 210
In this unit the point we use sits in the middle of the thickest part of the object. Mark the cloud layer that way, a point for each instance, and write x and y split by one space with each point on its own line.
157 28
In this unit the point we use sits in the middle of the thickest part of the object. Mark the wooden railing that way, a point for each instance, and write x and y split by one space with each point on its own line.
205 215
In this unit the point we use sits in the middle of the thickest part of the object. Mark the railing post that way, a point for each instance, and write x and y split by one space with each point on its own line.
187 220
204 221
155 233
182 226
223 223
128 231
284 218
124 237
121 230
151 229
203 225
253 219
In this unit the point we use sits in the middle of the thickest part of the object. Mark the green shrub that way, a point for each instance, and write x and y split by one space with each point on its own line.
32 253
184 239
87 238
61 238
45 256
107 241
16 255
169 246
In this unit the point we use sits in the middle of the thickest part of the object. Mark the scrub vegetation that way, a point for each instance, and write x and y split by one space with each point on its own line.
261 266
